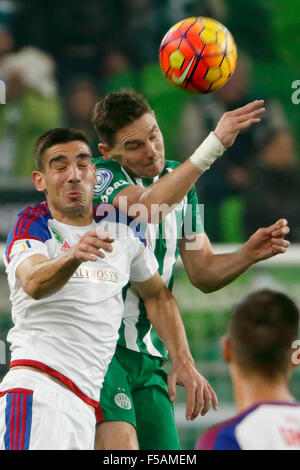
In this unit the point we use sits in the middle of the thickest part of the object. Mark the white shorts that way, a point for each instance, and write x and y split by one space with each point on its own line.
37 413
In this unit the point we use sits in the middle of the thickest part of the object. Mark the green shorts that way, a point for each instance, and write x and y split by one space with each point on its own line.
135 391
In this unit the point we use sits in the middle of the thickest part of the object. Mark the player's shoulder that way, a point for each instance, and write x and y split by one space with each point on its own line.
106 168
32 220
118 223
220 436
270 425
224 435
271 414
110 178
262 413
30 223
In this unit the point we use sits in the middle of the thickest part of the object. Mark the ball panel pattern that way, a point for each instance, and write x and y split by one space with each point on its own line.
198 54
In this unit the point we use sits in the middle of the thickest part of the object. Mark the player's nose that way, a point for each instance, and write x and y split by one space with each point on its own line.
74 174
151 149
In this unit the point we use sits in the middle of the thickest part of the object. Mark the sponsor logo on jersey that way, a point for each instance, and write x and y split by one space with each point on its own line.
123 401
94 274
104 177
116 185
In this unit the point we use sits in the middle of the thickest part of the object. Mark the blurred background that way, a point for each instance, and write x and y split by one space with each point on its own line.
58 58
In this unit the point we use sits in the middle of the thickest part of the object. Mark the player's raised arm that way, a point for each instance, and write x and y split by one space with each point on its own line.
136 149
41 277
162 311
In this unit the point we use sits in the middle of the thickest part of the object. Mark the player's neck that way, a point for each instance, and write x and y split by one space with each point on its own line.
249 390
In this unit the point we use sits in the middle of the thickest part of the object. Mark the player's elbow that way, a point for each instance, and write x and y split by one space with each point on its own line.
37 296
33 289
33 292
204 287
203 284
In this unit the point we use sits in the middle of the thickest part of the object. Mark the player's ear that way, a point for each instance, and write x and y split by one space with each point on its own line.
104 149
295 354
226 348
38 181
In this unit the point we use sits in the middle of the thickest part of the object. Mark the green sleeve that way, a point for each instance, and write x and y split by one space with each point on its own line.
193 215
110 180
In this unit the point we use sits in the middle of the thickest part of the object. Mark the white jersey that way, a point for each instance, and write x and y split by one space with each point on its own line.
265 426
72 334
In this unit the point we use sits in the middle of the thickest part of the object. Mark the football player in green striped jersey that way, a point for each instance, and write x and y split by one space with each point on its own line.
137 396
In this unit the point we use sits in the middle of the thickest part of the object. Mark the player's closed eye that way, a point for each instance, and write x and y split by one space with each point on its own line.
133 146
60 167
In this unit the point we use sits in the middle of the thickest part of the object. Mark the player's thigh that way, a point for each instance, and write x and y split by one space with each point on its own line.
156 426
38 414
118 411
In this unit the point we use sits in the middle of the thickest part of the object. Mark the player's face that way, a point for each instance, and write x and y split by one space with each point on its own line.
139 147
69 178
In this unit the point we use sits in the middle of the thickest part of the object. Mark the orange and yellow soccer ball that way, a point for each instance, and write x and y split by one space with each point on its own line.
198 55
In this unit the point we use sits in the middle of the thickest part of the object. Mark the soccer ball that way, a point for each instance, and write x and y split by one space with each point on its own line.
198 55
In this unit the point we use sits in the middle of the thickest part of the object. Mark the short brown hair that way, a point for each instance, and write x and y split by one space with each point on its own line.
261 330
116 110
52 137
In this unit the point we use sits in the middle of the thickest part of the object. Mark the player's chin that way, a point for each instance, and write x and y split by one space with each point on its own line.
74 203
153 170
76 207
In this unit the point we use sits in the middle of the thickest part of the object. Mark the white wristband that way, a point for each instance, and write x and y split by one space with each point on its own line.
205 155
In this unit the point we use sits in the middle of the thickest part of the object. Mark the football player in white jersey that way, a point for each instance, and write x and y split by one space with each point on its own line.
260 351
66 272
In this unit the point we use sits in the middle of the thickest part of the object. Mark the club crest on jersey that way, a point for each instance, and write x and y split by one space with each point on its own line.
104 177
57 235
123 401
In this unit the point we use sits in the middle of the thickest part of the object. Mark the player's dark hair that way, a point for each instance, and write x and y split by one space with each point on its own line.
261 330
52 137
116 110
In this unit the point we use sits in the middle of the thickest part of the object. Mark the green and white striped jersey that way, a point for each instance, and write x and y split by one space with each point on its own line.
136 332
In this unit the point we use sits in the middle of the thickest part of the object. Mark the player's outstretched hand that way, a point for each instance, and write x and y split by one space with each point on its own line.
267 242
199 393
232 122
87 249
